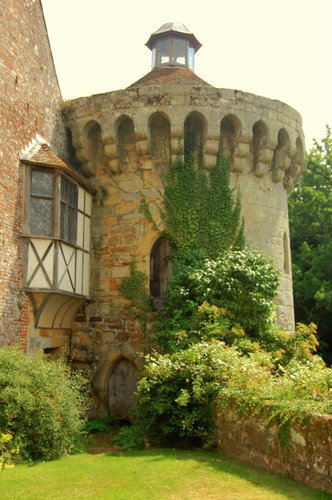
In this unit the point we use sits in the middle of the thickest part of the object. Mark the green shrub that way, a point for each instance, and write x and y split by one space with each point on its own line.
242 284
176 395
130 438
97 426
179 394
42 404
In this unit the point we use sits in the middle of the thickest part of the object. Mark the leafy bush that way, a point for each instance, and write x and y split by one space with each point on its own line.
242 284
179 394
176 395
42 404
97 426
130 438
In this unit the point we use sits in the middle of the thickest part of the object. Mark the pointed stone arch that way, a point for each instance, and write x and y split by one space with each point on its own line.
104 372
94 145
126 143
160 139
230 131
259 140
194 135
281 156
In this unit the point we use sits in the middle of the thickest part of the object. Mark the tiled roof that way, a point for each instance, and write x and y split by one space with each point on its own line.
170 76
40 153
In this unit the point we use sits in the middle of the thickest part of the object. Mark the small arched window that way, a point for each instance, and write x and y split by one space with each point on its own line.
286 254
160 268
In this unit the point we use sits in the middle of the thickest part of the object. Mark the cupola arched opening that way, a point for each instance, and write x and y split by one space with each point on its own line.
160 268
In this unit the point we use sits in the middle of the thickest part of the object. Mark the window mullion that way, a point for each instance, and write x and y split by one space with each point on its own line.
56 205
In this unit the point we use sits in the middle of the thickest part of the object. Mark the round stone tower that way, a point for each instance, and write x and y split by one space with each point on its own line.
123 138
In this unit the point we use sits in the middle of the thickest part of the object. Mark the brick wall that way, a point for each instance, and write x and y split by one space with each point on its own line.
307 456
29 103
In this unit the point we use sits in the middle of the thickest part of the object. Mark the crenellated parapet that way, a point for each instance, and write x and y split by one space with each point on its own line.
124 138
144 127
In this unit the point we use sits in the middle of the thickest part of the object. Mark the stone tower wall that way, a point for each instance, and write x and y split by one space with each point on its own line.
122 138
29 104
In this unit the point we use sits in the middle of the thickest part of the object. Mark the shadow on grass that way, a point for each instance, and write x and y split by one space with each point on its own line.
216 460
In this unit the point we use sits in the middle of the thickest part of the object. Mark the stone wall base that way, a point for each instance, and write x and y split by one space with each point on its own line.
306 458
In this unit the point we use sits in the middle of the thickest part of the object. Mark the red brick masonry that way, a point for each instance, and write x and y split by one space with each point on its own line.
307 458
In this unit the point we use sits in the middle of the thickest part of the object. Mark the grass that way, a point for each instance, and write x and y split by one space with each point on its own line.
150 475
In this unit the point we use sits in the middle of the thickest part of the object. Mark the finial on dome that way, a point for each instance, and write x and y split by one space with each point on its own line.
173 45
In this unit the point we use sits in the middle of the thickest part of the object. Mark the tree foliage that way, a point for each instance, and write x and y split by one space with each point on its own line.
310 212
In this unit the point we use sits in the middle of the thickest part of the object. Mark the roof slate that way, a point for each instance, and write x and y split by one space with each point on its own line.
170 75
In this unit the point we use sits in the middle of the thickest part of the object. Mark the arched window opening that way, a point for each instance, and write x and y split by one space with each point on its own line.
230 129
286 254
121 389
259 139
160 140
160 268
194 136
127 151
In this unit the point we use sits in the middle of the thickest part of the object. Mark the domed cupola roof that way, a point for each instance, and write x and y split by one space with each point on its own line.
174 27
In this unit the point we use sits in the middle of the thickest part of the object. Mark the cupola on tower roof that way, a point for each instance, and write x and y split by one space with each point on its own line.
173 45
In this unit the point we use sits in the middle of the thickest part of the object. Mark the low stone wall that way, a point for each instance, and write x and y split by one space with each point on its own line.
307 457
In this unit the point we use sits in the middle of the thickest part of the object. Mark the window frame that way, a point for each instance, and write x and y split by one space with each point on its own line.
171 61
55 232
67 205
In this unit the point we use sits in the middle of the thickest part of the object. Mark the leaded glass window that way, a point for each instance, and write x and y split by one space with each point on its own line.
180 51
41 203
163 51
68 210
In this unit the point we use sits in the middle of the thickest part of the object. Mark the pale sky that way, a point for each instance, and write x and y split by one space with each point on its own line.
281 49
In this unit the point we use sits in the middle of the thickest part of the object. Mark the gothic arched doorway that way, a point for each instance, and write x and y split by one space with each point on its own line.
121 388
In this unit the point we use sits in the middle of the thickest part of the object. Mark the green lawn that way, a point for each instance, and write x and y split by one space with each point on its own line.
149 475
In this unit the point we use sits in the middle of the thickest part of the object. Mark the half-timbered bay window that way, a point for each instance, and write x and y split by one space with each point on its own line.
57 235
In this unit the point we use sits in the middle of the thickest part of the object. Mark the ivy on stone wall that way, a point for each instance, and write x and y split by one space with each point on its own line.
199 211
133 287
